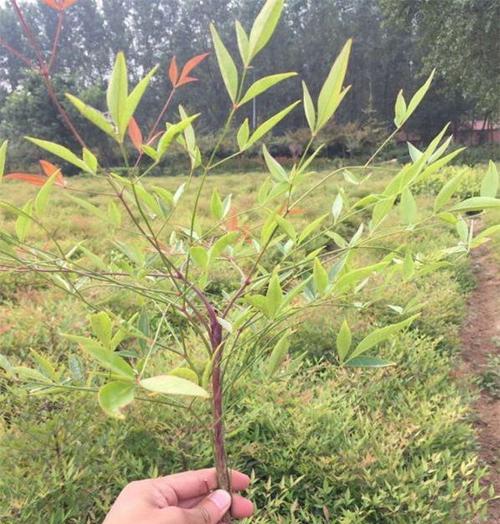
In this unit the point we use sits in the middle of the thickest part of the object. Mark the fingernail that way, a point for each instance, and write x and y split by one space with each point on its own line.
221 498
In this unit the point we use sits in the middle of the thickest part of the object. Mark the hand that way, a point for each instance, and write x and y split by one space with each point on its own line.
183 498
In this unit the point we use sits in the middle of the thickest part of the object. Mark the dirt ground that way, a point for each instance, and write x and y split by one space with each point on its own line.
480 339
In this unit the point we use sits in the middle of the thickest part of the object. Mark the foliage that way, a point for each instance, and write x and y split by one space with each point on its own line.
185 343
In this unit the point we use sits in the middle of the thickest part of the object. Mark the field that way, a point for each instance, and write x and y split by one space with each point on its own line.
324 443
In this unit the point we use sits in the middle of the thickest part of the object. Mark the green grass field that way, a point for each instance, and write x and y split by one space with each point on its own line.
324 443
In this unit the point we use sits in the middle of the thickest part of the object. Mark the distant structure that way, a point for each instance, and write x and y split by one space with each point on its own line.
478 132
472 133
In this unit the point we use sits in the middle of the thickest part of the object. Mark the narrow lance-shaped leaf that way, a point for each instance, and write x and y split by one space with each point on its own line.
61 152
447 191
332 91
344 340
262 85
408 207
42 198
400 109
117 94
134 98
93 115
3 156
24 221
243 135
278 355
226 65
172 385
266 126
379 335
477 204
489 184
243 44
264 26
274 296
320 277
309 110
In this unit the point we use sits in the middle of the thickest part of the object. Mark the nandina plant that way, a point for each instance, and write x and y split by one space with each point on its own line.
277 269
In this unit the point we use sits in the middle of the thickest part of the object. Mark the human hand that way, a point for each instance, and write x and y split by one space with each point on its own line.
183 498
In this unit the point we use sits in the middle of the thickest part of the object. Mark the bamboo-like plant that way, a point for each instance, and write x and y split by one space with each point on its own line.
169 265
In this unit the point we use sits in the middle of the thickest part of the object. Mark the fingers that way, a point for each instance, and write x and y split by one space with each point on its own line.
211 509
241 507
192 484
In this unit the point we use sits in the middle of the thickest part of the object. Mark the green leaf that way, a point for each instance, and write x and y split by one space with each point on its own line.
400 110
106 358
61 152
185 373
264 26
114 215
117 95
243 44
447 191
226 65
489 184
31 375
92 114
287 227
24 221
102 327
337 206
274 296
3 156
415 153
332 92
216 207
266 126
262 85
45 365
222 243
243 135
171 133
344 341
113 397
419 95
477 204
320 277
311 228
484 235
368 362
408 207
171 385
134 98
90 159
309 110
200 256
42 198
379 335
94 210
275 168
278 355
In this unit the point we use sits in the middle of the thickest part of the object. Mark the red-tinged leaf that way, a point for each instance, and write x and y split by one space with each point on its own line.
5 329
233 223
186 80
135 134
296 211
60 5
35 180
173 72
190 65
50 169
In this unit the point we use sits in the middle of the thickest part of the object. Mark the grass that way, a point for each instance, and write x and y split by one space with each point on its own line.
325 444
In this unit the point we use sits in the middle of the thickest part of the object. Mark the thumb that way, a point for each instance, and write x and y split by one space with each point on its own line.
211 509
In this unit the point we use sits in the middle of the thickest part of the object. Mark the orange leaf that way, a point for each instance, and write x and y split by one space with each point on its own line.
35 180
135 134
50 169
191 64
173 72
186 80
59 5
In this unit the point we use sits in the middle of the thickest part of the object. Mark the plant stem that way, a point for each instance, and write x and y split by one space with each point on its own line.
223 476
